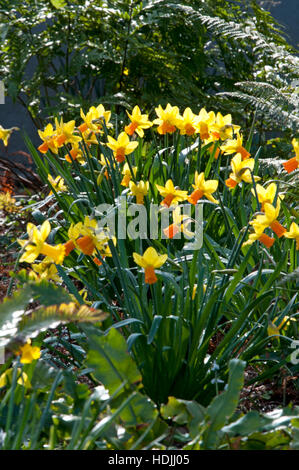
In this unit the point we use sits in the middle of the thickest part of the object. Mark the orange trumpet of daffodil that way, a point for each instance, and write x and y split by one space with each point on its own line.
36 245
171 194
259 235
293 163
122 146
203 188
138 122
150 261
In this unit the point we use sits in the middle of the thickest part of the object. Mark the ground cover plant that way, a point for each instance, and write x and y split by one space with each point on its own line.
179 260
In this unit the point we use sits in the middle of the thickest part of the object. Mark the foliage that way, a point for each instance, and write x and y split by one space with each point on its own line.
59 56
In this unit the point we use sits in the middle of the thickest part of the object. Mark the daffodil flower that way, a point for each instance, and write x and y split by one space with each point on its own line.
187 124
49 138
58 184
6 133
127 175
241 171
269 219
171 194
235 146
266 194
65 133
94 119
168 119
150 261
203 188
29 353
204 122
259 235
180 224
139 190
222 128
138 122
122 146
36 245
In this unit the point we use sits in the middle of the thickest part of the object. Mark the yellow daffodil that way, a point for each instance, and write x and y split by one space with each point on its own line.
259 235
122 146
171 194
58 184
29 353
241 171
235 146
293 233
75 154
36 245
127 175
94 119
188 123
269 219
88 238
293 163
180 224
65 132
138 122
204 122
266 194
139 190
49 138
6 133
222 128
203 188
150 261
168 119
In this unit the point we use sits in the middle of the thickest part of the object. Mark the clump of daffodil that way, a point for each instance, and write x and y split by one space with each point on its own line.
235 146
222 128
168 119
6 133
293 233
139 190
204 122
58 184
127 175
36 245
269 219
180 224
122 146
94 119
187 124
241 171
203 188
7 202
293 163
150 261
266 194
138 122
29 353
172 195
